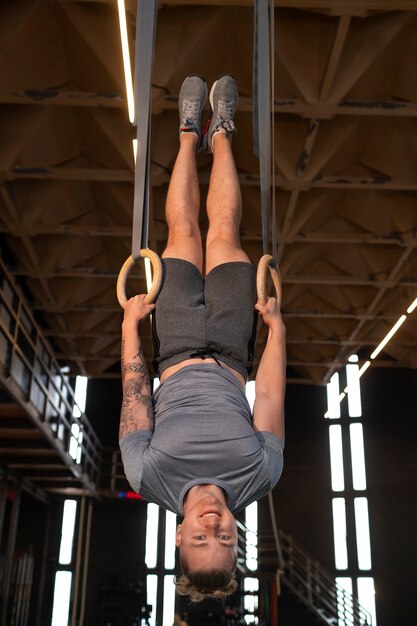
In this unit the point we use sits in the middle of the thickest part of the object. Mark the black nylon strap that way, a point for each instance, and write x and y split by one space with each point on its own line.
261 110
274 224
145 38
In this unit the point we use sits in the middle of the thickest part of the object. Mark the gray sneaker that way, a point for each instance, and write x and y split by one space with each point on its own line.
223 101
191 103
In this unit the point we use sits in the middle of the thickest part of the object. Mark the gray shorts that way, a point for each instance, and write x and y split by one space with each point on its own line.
205 317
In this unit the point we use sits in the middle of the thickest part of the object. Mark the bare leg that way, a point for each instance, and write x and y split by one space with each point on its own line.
224 207
182 206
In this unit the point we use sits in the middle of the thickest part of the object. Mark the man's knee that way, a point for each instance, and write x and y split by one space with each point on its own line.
224 227
182 226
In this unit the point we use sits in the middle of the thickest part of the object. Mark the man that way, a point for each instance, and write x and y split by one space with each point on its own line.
194 447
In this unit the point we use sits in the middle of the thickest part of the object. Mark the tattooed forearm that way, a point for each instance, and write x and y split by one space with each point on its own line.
137 408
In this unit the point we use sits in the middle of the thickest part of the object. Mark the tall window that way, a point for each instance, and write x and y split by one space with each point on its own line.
63 575
160 563
352 546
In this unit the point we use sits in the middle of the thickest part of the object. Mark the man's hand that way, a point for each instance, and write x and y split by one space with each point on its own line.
136 310
270 312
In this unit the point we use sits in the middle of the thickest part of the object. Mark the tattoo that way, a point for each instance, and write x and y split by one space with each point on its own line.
137 407
134 367
123 354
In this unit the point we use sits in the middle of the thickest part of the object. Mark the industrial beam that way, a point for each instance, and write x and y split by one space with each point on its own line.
334 7
377 182
169 102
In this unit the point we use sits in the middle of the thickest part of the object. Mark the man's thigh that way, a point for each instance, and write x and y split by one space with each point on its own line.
179 315
230 296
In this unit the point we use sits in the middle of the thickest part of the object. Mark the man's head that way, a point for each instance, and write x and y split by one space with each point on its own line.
207 540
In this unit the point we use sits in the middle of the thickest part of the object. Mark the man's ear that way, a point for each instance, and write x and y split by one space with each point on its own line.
178 536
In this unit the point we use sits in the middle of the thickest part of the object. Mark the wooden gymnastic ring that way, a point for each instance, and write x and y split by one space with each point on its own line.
267 261
124 273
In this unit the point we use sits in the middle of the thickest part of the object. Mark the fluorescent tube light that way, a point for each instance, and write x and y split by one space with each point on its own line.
364 367
412 306
388 336
126 59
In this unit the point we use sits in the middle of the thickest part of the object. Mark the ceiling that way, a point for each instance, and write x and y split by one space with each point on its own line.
345 166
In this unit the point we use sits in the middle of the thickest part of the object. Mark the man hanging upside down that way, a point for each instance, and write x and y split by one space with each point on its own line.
194 448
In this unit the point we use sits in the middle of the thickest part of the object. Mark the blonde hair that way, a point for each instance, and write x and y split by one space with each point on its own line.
201 585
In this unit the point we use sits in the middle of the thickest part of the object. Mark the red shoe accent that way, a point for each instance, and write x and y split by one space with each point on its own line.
205 128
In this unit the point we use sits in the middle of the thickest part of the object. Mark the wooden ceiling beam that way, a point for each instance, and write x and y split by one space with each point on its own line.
68 173
378 182
94 230
335 56
321 110
63 97
245 235
334 7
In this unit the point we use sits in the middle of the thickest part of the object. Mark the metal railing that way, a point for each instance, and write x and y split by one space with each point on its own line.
313 585
32 376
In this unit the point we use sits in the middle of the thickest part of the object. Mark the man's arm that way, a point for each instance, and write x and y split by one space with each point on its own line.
137 409
268 411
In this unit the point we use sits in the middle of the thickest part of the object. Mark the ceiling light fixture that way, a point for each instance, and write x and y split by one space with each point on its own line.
378 349
388 336
412 306
126 59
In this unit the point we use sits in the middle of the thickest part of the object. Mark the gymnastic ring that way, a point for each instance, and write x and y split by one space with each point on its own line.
268 261
124 273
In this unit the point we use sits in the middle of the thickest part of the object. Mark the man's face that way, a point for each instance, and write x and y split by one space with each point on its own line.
207 538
